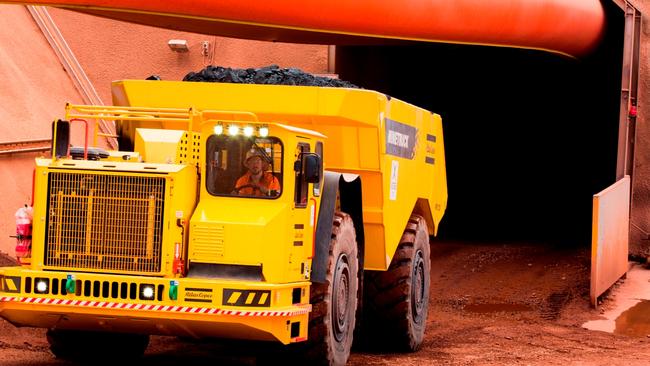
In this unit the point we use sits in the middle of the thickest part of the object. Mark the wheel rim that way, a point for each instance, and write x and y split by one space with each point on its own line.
418 288
341 298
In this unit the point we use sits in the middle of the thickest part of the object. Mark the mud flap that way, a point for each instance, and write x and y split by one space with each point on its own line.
348 188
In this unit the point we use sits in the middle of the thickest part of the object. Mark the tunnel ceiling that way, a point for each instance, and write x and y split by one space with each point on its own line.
560 26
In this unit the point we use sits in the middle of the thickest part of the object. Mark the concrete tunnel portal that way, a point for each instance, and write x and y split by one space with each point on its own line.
530 136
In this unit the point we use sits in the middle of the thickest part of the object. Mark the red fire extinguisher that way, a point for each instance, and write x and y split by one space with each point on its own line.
24 233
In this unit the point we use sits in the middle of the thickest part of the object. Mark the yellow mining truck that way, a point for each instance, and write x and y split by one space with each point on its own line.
257 212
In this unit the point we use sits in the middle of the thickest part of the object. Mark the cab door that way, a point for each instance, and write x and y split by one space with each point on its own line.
302 217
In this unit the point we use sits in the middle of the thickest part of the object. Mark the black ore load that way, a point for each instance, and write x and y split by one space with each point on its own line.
273 75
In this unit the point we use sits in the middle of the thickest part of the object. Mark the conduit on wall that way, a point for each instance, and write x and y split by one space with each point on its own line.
71 65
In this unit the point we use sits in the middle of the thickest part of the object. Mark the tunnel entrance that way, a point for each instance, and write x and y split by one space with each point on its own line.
529 136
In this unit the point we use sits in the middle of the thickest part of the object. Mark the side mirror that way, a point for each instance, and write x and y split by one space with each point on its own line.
311 167
60 138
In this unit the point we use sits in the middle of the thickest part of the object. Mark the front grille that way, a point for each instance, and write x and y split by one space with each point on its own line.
104 222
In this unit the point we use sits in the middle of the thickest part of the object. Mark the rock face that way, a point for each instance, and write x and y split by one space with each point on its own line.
272 74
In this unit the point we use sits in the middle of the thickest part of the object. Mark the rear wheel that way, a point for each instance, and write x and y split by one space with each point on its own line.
98 347
334 303
397 300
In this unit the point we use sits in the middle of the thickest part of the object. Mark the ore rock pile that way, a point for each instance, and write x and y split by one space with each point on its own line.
273 75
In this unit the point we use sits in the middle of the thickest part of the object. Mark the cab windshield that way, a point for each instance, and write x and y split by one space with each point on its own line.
244 166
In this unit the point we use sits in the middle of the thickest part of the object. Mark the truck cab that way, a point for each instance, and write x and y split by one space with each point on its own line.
261 231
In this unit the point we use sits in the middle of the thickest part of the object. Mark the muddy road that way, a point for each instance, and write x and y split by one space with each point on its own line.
491 304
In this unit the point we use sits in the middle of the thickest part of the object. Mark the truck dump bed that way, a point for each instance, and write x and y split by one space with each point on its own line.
395 147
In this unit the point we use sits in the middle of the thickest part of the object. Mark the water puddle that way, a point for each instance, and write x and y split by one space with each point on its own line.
635 321
497 308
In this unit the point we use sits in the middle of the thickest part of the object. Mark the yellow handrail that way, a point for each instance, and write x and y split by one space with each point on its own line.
98 113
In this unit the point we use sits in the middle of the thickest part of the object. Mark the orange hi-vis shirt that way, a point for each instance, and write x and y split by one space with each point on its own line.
268 181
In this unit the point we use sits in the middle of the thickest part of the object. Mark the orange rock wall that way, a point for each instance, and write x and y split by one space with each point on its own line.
33 91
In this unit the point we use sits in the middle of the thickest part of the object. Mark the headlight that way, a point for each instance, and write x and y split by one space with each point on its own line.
147 292
42 285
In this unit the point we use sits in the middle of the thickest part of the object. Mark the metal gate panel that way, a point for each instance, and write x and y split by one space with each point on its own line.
610 237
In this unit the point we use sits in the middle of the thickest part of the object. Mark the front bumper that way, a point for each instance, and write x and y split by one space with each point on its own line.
202 308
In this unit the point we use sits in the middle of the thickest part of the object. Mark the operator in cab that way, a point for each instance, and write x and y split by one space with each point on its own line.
257 181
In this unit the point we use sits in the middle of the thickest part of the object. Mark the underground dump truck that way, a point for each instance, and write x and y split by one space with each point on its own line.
288 214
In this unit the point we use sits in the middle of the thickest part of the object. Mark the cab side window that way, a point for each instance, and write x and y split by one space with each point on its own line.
319 151
302 187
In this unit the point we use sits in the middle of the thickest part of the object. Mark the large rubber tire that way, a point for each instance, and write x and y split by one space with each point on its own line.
96 347
397 300
334 303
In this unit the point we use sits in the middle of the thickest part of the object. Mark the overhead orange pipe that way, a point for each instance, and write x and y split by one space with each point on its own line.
568 27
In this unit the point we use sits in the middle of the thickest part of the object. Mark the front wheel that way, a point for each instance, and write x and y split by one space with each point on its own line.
334 303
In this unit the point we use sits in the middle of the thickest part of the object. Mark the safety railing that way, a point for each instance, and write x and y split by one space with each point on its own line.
88 114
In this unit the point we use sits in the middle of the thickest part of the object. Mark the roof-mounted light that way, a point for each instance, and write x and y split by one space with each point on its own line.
264 131
248 131
218 129
233 130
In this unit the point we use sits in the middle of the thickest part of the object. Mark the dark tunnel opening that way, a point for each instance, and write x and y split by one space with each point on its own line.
530 136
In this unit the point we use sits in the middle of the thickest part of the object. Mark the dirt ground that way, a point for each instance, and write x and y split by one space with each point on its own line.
491 304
